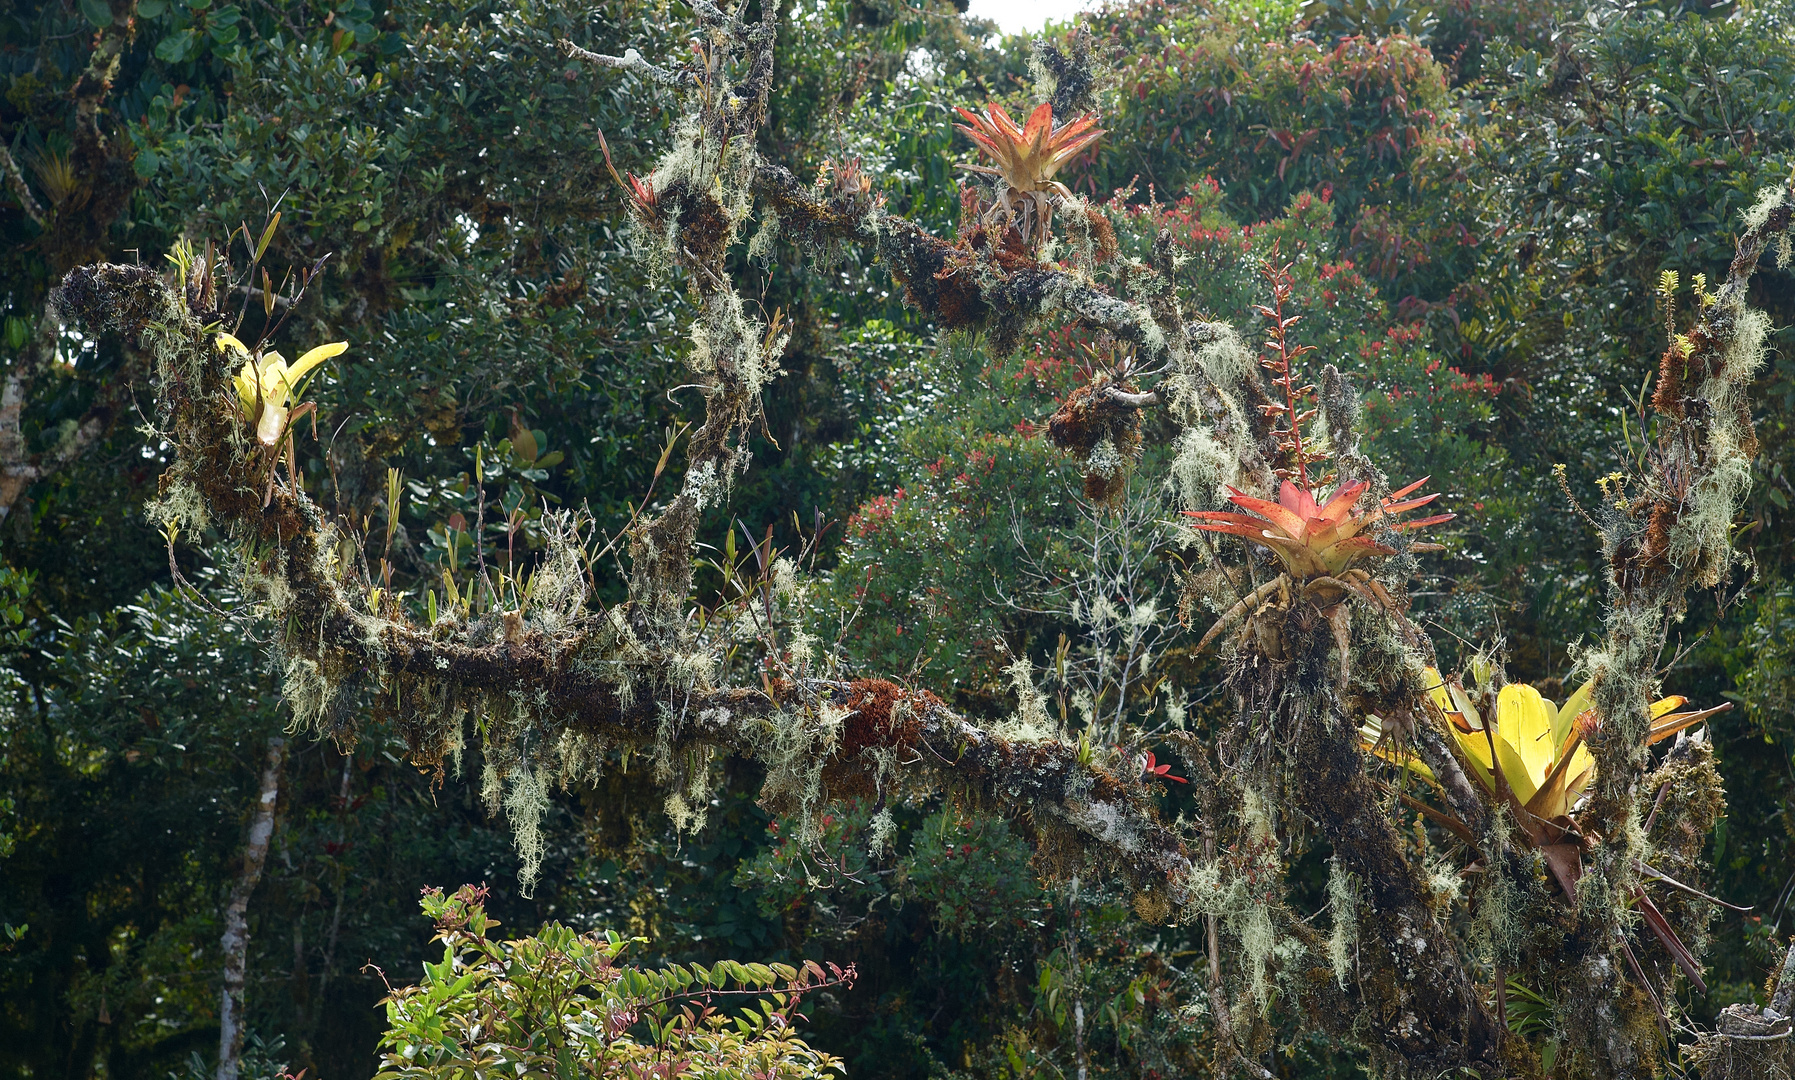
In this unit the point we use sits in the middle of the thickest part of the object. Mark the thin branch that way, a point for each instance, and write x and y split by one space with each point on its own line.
15 183
631 61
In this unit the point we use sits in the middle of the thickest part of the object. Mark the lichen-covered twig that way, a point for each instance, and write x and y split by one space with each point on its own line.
15 183
632 61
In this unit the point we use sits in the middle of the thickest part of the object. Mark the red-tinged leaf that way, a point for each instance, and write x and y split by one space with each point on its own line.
1298 501
1668 938
1345 498
1423 522
1394 495
1000 119
1566 863
1290 523
1409 504
1258 534
1362 544
1227 516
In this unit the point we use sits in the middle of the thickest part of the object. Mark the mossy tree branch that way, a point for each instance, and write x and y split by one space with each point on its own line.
1672 535
559 685
561 682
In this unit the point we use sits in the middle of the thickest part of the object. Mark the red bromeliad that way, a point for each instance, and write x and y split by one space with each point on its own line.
1314 540
1026 160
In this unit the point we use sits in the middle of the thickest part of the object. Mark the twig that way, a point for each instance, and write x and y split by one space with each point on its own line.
632 61
1785 983
15 183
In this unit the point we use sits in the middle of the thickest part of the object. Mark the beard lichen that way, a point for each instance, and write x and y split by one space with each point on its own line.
1343 905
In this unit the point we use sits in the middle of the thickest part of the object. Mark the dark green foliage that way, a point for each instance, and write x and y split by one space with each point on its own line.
1445 201
130 780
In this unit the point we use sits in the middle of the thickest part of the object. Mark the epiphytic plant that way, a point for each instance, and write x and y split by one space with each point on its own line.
1316 542
1528 756
266 389
1027 158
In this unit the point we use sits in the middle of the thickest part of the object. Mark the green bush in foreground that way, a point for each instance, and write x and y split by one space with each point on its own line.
564 1004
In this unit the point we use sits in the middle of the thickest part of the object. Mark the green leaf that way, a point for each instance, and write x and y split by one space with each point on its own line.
150 9
146 164
176 47
98 12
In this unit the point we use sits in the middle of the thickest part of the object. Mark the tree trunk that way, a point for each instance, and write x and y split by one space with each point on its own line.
236 922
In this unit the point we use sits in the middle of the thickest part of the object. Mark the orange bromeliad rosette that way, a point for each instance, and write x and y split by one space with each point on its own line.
1317 543
1026 159
1316 540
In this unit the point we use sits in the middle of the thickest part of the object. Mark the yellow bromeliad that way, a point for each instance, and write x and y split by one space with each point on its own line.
267 384
1530 757
1531 747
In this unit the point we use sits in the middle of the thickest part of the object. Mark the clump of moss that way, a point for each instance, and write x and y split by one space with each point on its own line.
1101 431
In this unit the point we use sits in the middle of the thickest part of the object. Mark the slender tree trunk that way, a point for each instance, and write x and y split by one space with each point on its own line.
1080 1055
236 922
336 916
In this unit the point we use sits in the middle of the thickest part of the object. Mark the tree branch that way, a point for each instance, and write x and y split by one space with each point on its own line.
631 61
15 183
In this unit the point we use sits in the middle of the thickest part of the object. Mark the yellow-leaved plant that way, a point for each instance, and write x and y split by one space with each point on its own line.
267 385
1530 757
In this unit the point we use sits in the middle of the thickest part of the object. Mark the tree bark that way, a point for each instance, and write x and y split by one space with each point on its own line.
236 922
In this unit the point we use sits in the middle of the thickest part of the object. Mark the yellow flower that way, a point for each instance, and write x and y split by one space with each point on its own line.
267 385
